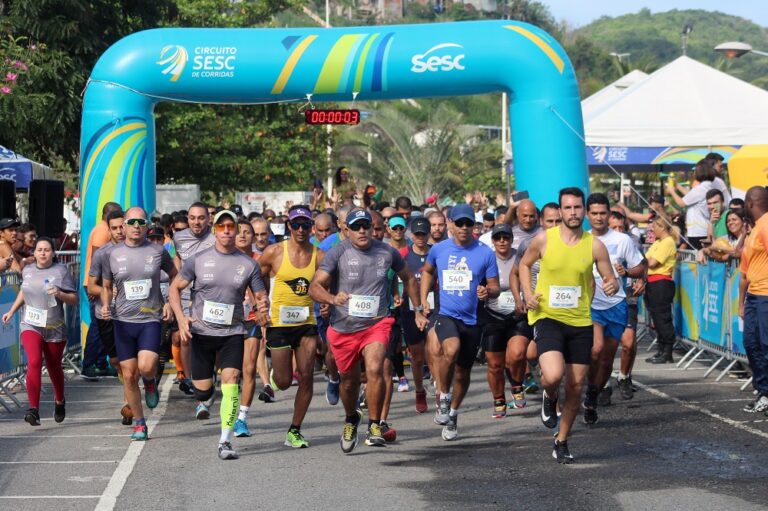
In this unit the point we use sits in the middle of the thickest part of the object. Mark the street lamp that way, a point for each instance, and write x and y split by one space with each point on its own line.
734 50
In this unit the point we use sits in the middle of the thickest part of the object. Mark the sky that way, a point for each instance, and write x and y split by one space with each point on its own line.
582 12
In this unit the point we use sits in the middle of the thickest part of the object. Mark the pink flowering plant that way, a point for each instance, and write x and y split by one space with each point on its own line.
16 56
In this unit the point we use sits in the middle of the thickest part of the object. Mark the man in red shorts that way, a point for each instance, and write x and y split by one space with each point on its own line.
352 279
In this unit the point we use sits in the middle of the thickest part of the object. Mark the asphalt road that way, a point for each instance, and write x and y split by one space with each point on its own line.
682 442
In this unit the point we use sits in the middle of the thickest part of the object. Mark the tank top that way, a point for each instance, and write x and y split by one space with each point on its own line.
503 307
565 281
290 304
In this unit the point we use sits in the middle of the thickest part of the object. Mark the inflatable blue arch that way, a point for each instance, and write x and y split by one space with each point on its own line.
246 66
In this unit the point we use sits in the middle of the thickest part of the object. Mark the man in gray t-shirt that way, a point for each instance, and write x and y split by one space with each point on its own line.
133 268
221 275
353 279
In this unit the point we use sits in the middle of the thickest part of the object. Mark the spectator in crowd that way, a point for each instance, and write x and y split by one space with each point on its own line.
489 220
736 204
344 187
716 161
660 290
695 203
8 259
26 236
731 245
437 227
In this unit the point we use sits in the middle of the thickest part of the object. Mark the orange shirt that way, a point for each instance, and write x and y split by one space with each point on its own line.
754 260
98 238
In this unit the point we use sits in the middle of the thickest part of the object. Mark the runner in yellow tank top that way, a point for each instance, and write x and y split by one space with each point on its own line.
559 310
292 329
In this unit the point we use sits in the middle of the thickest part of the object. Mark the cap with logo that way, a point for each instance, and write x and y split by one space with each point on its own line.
501 229
155 232
7 223
396 221
299 213
420 226
358 215
223 214
462 211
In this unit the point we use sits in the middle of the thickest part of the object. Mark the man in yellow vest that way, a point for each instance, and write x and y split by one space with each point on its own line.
289 267
559 310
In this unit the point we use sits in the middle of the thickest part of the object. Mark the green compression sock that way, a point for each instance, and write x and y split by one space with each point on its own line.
229 405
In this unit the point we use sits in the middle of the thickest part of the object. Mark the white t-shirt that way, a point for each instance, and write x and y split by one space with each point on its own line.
697 214
720 185
487 240
621 249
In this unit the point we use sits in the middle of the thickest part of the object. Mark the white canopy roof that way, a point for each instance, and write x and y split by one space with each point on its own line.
685 103
610 92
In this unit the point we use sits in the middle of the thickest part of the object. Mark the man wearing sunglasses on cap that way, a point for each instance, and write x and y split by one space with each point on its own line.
220 276
461 265
352 279
133 268
292 330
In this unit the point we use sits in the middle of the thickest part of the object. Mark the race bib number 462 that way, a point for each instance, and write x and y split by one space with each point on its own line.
218 313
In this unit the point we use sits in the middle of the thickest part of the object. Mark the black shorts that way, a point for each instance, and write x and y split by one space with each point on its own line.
283 337
252 329
395 338
411 332
498 332
632 315
107 334
468 335
574 342
204 349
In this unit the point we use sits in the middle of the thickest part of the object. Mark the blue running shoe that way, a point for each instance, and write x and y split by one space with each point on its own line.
241 428
202 412
332 392
151 395
529 384
140 433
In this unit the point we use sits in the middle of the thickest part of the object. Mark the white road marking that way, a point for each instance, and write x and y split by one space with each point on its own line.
53 462
690 406
123 471
49 496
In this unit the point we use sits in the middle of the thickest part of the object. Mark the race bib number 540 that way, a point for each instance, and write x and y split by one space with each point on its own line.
456 280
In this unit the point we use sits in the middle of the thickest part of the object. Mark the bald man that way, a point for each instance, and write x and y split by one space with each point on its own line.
322 229
526 225
753 295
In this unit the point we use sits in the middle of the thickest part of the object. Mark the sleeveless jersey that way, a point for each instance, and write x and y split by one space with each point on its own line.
565 281
290 304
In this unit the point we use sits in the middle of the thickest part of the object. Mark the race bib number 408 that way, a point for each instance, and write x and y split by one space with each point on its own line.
363 306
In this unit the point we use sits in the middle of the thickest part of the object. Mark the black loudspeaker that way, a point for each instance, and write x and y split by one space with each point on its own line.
7 198
46 207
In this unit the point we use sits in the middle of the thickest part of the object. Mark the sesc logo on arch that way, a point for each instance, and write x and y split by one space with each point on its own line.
174 58
208 61
443 57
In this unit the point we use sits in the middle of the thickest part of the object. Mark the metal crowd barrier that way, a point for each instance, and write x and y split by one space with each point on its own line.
13 363
706 314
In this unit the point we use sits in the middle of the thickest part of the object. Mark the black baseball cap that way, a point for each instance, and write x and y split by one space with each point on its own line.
7 223
155 232
501 229
420 225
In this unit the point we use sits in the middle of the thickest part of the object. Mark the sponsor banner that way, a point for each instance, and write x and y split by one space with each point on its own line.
20 172
603 155
737 324
9 338
712 292
688 300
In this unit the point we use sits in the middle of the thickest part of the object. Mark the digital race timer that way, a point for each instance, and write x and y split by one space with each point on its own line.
332 116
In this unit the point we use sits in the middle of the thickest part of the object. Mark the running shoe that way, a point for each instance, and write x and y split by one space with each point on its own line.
451 429
499 409
227 452
332 392
127 415
561 453
590 405
32 417
548 411
151 395
389 433
140 433
402 385
186 387
241 429
362 403
267 394
427 375
295 379
518 398
374 437
625 387
421 401
441 414
202 412
604 398
529 384
349 435
760 404
89 373
179 377
295 439
59 412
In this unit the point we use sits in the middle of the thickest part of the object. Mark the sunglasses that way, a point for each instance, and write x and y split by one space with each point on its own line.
398 228
136 222
224 227
301 225
499 237
178 230
359 226
464 222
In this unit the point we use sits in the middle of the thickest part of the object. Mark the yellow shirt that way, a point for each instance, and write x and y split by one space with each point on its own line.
565 281
290 303
665 252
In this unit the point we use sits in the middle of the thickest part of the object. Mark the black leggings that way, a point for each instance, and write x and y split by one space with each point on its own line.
661 294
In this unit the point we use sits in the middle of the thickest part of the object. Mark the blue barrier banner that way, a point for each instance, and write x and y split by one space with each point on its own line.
711 303
737 324
9 338
688 300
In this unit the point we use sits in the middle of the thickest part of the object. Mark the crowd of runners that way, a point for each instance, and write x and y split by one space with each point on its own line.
259 303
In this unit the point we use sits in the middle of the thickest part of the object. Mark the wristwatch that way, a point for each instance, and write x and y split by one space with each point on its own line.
420 308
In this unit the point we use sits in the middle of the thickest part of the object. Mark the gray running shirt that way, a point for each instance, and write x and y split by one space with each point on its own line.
220 281
132 270
520 235
362 273
504 305
187 245
535 268
99 260
36 300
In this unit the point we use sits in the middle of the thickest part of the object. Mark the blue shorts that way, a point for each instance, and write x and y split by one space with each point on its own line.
613 320
131 338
